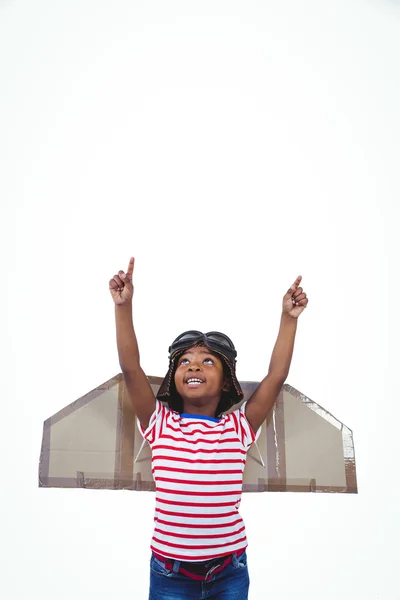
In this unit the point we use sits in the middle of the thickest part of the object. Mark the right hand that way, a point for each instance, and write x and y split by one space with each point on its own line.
121 287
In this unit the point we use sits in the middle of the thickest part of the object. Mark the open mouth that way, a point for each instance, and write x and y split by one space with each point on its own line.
194 382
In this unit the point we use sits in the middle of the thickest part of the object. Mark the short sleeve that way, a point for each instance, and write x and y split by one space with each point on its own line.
242 426
156 424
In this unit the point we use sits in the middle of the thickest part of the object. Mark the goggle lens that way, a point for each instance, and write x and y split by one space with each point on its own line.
213 338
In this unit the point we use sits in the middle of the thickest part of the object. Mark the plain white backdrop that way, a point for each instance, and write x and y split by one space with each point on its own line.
229 147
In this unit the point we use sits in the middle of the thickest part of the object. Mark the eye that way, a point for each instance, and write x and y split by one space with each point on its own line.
209 359
183 360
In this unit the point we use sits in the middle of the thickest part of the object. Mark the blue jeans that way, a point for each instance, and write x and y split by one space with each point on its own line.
232 583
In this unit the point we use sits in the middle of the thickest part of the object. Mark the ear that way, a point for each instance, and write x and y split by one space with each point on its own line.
227 385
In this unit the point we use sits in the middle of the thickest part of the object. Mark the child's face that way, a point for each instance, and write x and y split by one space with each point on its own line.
200 364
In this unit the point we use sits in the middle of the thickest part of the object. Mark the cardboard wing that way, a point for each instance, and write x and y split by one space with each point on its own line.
95 443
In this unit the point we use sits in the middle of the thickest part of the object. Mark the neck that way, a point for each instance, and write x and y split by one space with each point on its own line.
193 407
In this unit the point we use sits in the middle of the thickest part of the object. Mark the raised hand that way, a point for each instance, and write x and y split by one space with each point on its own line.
121 287
295 300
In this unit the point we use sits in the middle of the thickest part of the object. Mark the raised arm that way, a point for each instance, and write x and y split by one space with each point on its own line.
263 399
137 385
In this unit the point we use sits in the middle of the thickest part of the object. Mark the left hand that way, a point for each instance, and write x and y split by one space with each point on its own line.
295 300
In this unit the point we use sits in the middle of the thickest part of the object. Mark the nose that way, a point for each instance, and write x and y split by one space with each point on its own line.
194 368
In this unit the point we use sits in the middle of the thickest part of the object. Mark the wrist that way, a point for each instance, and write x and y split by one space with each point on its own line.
126 306
286 317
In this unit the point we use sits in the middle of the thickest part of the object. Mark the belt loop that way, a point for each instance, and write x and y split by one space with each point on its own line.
209 574
234 560
175 568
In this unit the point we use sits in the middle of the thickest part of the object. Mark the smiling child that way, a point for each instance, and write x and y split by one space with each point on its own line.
198 451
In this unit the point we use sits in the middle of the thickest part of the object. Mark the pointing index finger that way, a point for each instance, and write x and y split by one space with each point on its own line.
296 284
130 268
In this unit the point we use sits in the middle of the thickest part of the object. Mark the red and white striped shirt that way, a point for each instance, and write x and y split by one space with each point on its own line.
198 465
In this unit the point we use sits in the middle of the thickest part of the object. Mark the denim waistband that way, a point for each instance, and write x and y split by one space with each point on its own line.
201 570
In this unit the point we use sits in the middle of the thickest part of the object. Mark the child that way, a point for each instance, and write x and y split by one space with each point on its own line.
198 452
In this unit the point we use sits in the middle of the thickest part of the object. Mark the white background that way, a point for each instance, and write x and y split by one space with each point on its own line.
229 147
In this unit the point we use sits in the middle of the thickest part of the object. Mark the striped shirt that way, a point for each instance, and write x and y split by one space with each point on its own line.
197 465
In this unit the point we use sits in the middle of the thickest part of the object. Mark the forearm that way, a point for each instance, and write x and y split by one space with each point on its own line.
283 350
128 350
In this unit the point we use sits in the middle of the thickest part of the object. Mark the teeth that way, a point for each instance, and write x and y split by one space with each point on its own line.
194 381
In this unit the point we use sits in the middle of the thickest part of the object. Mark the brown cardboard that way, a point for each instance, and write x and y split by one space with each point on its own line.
93 443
